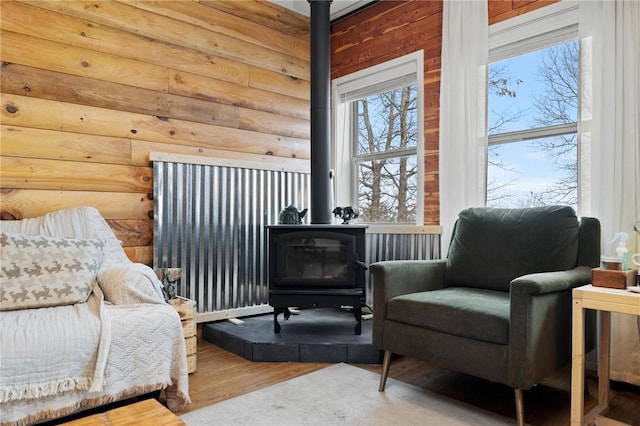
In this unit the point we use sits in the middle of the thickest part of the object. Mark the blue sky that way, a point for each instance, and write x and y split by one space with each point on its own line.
531 167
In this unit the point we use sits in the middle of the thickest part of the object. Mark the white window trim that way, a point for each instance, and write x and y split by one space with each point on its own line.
550 25
553 24
351 87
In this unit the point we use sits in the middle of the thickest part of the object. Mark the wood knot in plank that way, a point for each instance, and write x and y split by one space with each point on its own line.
7 216
10 108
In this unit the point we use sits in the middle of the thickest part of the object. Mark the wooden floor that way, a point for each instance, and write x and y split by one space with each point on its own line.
222 375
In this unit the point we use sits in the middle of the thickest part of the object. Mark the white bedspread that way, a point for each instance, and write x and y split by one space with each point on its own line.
36 364
147 353
140 335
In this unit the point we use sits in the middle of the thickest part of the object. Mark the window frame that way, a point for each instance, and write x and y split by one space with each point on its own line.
543 28
345 91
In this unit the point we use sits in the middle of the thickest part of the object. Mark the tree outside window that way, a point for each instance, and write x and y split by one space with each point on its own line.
385 156
532 121
378 140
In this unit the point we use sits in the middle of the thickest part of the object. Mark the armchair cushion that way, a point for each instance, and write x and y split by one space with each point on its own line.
465 312
514 242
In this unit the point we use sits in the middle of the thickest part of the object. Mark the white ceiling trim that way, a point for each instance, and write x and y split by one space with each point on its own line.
338 7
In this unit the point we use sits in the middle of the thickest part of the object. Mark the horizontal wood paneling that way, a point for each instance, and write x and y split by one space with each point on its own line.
50 144
235 27
267 14
89 88
40 53
202 87
178 31
25 111
500 10
142 254
133 233
45 84
23 203
82 33
39 173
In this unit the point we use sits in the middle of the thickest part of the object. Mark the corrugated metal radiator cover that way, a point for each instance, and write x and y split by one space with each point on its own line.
210 220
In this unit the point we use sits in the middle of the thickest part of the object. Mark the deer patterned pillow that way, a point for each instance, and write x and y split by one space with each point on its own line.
39 272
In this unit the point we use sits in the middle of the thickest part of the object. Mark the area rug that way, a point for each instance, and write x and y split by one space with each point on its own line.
342 394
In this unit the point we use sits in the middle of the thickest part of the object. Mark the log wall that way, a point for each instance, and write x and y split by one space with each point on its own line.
389 29
89 88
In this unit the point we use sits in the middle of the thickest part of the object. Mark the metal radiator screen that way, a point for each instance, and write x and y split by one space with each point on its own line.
210 221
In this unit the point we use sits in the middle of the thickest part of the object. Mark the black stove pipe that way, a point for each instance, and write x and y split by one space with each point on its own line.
321 203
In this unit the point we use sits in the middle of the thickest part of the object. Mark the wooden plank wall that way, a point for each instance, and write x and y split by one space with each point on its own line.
89 88
389 29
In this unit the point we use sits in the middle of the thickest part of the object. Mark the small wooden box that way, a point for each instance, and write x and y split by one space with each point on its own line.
192 344
189 327
613 279
185 309
192 363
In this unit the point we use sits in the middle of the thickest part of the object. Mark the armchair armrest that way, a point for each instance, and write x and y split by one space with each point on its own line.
540 323
550 282
395 277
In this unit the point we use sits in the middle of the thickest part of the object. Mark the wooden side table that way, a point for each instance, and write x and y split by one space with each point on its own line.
605 300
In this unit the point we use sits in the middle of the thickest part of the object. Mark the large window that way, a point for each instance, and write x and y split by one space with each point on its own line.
533 102
378 122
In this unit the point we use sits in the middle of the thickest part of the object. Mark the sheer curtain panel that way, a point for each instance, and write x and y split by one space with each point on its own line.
463 139
610 139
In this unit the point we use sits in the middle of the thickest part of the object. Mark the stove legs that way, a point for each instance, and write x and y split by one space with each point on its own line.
276 312
357 312
316 298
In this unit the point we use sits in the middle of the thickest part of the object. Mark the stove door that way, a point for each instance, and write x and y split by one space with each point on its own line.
314 259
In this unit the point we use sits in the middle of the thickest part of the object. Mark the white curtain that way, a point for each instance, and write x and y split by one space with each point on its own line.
463 139
610 145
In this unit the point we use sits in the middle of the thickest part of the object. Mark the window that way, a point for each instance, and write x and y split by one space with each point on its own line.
532 108
378 122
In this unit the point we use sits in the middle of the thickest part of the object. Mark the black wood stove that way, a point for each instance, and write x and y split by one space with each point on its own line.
316 266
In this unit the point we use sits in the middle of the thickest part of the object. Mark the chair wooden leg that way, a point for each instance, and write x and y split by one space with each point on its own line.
386 364
519 406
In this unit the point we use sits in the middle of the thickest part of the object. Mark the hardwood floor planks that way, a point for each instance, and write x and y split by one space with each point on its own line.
222 375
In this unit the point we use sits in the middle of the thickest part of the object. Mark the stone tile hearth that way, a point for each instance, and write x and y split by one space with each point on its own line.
312 335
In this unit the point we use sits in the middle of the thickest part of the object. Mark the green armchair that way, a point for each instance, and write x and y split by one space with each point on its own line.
499 306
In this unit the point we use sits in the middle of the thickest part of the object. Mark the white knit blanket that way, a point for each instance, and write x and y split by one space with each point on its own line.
53 350
147 353
141 334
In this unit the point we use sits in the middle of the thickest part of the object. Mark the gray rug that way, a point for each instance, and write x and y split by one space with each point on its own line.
342 394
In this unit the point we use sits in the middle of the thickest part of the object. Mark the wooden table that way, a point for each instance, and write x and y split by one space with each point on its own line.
605 300
148 412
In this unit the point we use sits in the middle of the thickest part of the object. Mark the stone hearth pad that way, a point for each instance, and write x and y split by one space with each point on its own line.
312 335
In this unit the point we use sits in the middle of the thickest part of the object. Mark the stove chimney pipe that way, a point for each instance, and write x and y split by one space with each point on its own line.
321 203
